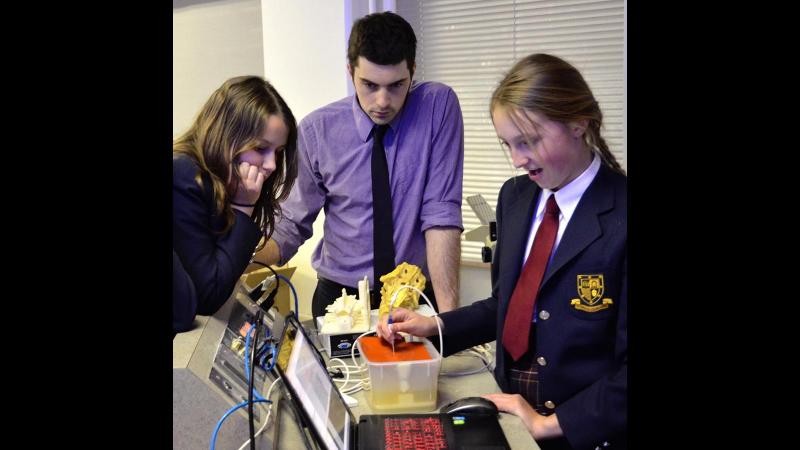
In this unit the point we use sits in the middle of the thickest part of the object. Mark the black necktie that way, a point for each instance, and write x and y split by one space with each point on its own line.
382 231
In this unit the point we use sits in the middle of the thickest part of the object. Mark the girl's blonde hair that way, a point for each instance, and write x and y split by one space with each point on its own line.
550 86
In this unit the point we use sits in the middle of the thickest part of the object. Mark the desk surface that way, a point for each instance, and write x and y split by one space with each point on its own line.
450 389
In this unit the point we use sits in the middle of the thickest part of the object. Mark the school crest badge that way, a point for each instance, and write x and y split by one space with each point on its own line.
590 293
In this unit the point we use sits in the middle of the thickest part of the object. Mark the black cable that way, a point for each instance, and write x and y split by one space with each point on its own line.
266 303
265 347
250 382
259 263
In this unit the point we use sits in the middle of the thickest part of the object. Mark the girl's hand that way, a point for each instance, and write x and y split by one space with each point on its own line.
250 184
540 427
406 321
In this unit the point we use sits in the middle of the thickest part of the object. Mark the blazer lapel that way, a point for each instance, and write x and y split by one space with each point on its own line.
584 226
519 218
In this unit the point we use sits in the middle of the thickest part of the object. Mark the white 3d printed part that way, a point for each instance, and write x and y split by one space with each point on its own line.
346 315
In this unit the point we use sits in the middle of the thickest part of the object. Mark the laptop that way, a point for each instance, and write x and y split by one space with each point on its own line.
333 426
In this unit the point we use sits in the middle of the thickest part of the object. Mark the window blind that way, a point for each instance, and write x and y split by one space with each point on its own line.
469 45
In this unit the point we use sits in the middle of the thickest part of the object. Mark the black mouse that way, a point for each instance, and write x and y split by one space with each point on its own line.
470 405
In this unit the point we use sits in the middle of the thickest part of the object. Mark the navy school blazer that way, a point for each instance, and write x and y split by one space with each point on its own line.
213 261
584 340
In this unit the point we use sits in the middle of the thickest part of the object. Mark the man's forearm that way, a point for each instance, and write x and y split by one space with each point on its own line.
443 249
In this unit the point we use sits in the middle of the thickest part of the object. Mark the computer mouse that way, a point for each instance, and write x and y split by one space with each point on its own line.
470 405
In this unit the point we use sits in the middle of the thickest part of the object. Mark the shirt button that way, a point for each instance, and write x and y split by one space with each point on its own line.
549 404
541 361
544 315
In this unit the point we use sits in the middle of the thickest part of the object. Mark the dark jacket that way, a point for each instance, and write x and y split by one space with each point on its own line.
213 261
184 297
585 375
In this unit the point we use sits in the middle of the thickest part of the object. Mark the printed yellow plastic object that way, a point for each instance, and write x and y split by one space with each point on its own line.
405 273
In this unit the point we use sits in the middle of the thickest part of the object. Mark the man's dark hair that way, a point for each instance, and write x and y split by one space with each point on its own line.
383 38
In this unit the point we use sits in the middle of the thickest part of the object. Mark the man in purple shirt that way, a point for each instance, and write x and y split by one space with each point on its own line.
424 148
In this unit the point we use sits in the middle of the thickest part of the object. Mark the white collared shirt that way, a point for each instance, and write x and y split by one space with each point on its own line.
567 199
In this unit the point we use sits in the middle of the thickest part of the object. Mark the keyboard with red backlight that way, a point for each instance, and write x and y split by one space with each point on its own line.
414 433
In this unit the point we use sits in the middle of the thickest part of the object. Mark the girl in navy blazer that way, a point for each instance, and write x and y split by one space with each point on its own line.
230 170
569 386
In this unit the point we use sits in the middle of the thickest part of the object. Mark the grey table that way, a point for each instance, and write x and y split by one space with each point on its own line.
197 405
450 388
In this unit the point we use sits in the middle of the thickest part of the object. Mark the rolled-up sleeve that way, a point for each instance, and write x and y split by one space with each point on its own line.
441 203
301 208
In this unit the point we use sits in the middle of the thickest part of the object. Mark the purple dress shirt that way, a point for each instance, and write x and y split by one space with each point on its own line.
425 154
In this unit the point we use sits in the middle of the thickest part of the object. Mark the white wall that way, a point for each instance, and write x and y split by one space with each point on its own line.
211 42
305 48
300 46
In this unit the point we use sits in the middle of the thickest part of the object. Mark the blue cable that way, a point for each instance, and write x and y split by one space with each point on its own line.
246 365
225 416
259 398
274 358
264 357
260 353
296 306
263 350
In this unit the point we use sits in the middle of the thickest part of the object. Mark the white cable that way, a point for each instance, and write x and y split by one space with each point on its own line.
269 412
478 351
353 351
354 380
363 383
347 371
359 386
351 368
486 351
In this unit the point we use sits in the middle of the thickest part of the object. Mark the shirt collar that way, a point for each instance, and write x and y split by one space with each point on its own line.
364 124
568 196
